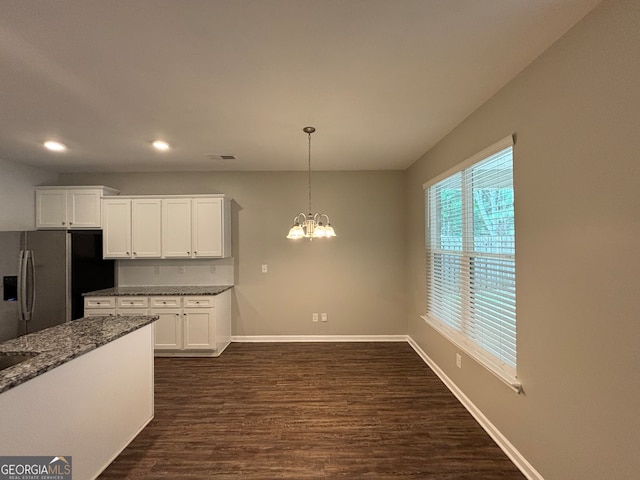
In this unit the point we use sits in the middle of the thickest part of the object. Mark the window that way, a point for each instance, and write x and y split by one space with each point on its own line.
470 246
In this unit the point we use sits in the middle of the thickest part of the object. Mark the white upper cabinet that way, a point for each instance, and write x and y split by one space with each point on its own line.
64 208
51 209
176 228
146 227
168 227
208 227
116 235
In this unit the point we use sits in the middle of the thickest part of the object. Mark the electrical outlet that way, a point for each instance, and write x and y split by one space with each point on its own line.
458 360
265 269
181 269
314 317
156 270
324 317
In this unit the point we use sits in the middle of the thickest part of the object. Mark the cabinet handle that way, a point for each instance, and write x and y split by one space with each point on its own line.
128 253
164 303
195 253
64 223
135 253
70 223
188 253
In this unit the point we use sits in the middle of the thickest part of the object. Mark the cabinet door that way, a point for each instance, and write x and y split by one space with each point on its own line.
83 208
168 328
146 226
207 227
116 235
176 228
199 328
51 209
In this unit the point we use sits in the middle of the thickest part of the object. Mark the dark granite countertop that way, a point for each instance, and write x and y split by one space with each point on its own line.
159 290
58 345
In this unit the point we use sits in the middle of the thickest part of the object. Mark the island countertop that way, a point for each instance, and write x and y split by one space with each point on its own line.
58 345
148 291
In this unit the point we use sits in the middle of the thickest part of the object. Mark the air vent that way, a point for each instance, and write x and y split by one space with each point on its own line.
216 156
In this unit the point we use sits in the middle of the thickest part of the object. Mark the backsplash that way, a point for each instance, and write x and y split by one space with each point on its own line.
175 272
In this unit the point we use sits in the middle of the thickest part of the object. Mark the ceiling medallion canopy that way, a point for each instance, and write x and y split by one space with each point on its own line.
311 225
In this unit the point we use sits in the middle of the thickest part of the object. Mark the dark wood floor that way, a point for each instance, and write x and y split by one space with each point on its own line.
308 411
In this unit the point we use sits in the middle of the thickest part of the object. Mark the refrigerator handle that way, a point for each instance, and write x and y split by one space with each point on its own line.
32 270
21 286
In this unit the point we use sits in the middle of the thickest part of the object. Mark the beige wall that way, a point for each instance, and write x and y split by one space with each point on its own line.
357 277
576 114
17 197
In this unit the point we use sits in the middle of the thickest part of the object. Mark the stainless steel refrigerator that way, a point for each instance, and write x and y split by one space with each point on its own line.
44 274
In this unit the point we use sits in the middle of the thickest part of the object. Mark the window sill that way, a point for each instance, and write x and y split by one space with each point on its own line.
474 352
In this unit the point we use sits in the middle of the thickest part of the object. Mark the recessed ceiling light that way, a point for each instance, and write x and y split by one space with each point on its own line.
161 145
55 146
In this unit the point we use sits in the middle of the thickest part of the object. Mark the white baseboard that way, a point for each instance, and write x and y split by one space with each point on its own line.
507 447
319 338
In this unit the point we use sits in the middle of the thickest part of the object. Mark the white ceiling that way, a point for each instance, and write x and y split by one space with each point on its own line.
381 80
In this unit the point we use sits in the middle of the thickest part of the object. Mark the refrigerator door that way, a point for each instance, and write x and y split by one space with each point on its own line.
89 271
10 324
46 300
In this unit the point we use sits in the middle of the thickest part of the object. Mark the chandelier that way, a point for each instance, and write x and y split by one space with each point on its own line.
311 225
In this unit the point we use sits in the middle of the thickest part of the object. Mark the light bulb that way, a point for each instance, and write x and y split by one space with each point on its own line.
328 231
55 146
161 145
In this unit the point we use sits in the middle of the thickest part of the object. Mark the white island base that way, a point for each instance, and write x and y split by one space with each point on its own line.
90 408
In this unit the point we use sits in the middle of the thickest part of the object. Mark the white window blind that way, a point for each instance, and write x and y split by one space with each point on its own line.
470 246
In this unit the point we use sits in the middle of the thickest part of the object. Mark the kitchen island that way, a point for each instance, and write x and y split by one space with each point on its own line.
85 390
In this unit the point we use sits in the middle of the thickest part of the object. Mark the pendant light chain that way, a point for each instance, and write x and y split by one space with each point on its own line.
309 161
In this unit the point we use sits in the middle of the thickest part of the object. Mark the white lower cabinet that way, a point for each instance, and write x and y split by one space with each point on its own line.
189 325
99 306
133 306
168 327
199 328
103 306
198 325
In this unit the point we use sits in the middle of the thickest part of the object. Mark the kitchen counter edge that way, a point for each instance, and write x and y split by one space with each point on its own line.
55 346
149 291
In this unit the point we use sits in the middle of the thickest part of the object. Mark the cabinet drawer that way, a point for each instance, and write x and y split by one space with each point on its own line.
198 301
133 302
98 312
99 302
165 301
